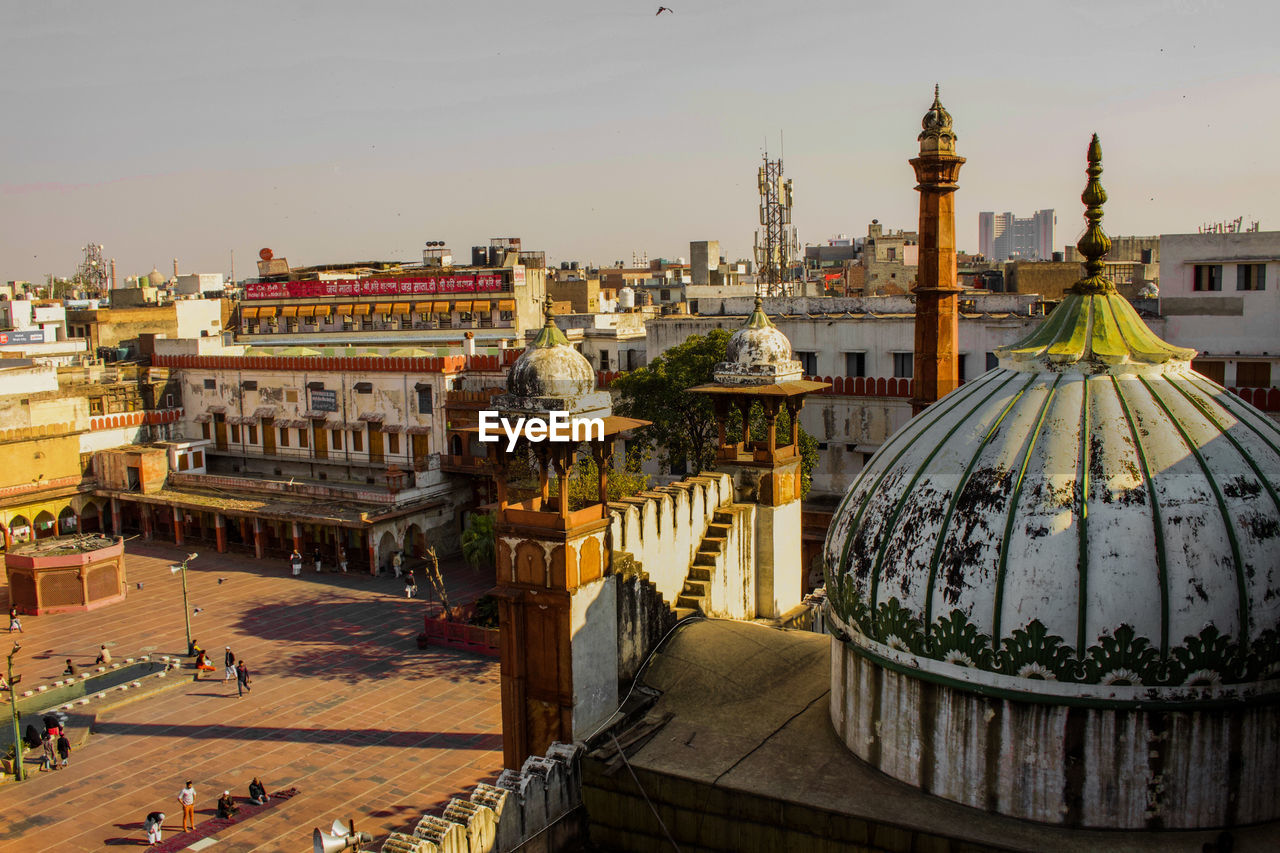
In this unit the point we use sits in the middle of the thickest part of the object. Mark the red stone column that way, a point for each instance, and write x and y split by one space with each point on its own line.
147 521
220 532
297 537
177 526
258 547
115 517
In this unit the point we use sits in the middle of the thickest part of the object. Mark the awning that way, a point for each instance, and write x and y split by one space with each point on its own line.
506 305
462 307
203 419
354 427
264 412
345 308
249 313
292 424
371 417
440 308
306 310
315 415
289 311
323 310
363 308
418 430
266 312
480 306
400 308
423 308
392 428
382 308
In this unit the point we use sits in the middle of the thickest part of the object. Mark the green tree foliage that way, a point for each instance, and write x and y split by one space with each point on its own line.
683 434
683 431
479 541
584 485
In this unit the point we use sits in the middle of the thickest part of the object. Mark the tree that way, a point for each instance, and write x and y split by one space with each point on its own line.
479 541
683 430
683 435
584 485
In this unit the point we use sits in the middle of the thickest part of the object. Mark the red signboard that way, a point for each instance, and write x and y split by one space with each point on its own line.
352 287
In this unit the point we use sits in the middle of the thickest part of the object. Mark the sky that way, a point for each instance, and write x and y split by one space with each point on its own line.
595 129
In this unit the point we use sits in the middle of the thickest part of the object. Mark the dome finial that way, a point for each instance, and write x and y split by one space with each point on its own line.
548 306
936 135
1094 244
550 334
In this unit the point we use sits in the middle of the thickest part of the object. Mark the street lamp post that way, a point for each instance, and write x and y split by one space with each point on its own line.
13 707
186 607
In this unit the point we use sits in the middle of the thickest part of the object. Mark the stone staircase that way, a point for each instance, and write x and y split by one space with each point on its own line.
693 599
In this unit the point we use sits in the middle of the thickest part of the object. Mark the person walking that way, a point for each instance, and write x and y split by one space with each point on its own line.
104 656
15 624
153 824
48 760
64 748
242 679
315 558
342 559
410 585
187 797
229 662
295 560
397 563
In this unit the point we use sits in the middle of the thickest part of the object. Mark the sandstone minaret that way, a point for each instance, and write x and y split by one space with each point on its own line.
937 294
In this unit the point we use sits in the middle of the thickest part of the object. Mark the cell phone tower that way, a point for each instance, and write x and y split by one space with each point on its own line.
775 242
94 273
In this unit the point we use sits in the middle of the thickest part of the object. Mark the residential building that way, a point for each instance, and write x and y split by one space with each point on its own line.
1002 236
889 259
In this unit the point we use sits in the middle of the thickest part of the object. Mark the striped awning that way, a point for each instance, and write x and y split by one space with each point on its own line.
462 307
480 306
363 308
289 311
440 308
344 308
266 312
306 310
249 313
423 308
382 308
323 310
506 305
400 308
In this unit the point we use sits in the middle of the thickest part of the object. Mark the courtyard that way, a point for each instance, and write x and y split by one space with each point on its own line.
344 707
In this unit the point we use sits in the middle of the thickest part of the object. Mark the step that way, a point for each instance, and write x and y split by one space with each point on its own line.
699 573
690 601
705 558
713 544
685 612
699 589
719 529
722 517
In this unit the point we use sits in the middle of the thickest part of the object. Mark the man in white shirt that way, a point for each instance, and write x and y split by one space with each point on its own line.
187 797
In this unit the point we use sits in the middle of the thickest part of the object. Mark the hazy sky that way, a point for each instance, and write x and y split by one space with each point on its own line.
594 129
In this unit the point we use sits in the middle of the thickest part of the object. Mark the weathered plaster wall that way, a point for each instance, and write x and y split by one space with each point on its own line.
593 641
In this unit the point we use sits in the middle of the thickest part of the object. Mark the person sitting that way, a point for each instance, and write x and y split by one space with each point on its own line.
104 656
227 807
194 648
202 664
31 737
71 668
257 792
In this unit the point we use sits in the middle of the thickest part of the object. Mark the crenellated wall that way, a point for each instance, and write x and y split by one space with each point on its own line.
662 529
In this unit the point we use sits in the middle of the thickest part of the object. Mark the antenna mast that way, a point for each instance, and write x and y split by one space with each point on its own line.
775 242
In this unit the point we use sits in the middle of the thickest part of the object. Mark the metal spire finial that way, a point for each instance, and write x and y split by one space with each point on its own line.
1094 244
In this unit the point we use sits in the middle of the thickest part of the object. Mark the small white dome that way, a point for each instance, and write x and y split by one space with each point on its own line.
758 354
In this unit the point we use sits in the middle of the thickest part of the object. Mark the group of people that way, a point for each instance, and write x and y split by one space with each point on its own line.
233 667
104 657
227 808
53 743
295 561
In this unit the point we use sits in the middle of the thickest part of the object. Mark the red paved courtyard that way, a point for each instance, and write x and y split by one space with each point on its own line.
344 707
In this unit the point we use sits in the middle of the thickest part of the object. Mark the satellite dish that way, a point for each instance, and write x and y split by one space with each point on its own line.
266 254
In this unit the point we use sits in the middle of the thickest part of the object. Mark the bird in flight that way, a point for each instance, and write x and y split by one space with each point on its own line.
662 9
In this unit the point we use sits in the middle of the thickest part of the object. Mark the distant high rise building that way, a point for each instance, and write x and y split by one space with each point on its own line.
1003 235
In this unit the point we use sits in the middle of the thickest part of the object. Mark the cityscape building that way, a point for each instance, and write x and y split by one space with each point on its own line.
1002 236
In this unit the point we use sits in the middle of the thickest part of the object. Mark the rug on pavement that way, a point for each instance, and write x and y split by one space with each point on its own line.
217 824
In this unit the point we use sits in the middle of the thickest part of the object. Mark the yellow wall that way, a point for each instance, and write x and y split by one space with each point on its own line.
54 457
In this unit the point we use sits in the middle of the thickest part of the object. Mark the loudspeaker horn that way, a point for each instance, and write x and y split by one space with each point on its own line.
339 829
323 842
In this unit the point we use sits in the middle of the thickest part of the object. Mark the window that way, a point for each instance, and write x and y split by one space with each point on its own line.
249 385
393 442
335 439
904 365
992 361
95 405
205 430
960 366
1251 277
357 439
284 437
808 362
291 396
1253 374
197 459
302 437
253 435
210 384
424 399
1206 277
235 432
665 296
506 316
363 387
1215 370
184 461
855 364
168 401
891 254
604 359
